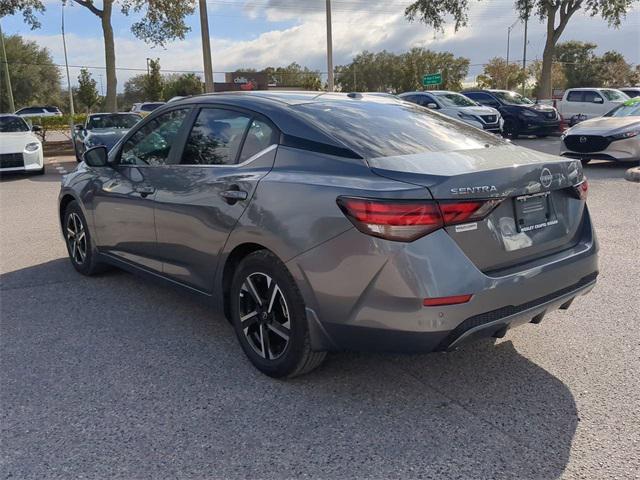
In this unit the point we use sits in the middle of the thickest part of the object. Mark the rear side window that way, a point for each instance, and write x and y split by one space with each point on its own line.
215 138
381 129
260 136
575 96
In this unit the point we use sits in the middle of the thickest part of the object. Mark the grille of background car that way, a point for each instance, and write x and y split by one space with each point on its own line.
11 160
590 143
489 118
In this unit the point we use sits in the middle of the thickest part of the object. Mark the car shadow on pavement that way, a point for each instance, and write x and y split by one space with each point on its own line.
598 169
114 376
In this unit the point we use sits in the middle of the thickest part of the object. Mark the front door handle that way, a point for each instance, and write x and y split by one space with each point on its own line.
232 196
145 190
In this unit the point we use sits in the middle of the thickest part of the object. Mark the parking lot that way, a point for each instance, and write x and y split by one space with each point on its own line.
117 377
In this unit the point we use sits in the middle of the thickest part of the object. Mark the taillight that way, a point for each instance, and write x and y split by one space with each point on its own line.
582 189
407 220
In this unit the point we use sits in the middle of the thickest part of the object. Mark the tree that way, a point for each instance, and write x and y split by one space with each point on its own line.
158 22
497 74
34 77
614 71
28 8
87 90
580 64
182 85
134 90
556 14
558 78
153 82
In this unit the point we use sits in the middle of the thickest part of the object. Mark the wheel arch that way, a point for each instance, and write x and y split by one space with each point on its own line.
65 200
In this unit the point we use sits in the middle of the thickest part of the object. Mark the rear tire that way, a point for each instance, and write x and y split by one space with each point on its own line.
82 252
269 317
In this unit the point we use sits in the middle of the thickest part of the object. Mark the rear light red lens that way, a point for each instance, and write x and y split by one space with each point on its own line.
442 301
407 220
399 220
582 189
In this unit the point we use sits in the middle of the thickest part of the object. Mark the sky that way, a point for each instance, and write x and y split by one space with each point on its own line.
261 33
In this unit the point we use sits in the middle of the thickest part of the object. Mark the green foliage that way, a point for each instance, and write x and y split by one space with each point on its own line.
34 77
182 85
28 8
133 91
48 124
558 77
388 72
293 75
160 20
87 90
497 74
153 83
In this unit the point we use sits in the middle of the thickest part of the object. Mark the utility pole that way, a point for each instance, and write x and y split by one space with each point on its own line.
148 73
524 53
66 63
12 106
206 47
329 49
508 45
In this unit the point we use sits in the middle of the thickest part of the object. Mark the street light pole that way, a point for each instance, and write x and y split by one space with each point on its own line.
524 53
329 49
12 106
508 45
206 47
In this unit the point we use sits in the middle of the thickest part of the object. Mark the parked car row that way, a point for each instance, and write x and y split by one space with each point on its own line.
102 129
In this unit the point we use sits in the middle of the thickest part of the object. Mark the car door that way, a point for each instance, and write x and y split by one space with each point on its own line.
200 198
123 193
593 104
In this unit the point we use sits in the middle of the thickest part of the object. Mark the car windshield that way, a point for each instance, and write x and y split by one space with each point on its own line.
614 95
13 124
513 98
112 121
385 128
628 109
150 107
455 100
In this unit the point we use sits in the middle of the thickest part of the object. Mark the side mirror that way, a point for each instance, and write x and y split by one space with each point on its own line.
432 105
36 128
598 100
79 127
96 156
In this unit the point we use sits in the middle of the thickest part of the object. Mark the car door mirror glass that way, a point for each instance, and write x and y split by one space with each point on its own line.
96 156
432 105
598 100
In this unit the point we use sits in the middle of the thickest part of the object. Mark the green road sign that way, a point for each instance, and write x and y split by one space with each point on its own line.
432 79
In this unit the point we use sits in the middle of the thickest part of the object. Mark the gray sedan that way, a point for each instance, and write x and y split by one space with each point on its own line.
324 222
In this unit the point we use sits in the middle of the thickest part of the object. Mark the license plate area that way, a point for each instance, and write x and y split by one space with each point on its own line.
534 212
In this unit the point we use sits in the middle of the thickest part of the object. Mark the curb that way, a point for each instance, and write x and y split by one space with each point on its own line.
633 174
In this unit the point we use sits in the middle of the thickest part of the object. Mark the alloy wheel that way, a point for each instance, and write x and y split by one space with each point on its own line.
76 238
264 316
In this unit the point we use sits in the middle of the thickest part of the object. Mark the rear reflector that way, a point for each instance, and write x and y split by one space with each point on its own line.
441 301
407 220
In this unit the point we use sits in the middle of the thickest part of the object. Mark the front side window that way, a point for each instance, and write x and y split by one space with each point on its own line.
424 100
13 124
614 95
590 96
513 98
455 100
152 143
215 137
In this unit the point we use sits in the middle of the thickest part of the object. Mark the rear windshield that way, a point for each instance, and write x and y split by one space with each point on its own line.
13 124
384 128
150 107
112 121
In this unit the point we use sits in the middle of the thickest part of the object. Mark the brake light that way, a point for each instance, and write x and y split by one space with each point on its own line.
407 220
582 189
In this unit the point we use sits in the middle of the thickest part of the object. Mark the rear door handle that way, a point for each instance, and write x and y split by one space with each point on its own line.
232 196
145 190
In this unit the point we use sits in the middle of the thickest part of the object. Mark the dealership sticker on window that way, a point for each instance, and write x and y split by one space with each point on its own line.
466 227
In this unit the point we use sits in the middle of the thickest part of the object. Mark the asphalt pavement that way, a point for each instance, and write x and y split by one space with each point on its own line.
116 377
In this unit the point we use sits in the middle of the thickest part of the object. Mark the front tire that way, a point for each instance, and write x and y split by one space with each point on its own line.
269 317
82 253
511 128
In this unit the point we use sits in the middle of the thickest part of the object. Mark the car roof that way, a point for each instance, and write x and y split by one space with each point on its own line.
591 88
113 113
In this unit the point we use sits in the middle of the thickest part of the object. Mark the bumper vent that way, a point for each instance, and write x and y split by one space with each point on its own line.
11 160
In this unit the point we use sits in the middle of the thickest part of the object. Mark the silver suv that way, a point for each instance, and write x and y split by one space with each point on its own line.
323 222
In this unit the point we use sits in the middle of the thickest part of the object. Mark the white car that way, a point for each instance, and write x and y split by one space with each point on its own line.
584 103
145 108
630 92
47 111
20 149
458 106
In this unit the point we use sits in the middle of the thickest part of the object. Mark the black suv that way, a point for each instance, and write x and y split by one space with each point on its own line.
521 115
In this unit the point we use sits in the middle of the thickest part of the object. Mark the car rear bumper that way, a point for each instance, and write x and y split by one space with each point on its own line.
370 299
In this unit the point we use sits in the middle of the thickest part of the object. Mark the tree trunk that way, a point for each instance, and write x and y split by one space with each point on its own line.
110 57
545 89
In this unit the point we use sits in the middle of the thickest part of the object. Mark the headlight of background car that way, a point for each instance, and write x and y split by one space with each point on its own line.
466 116
32 147
625 134
529 113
